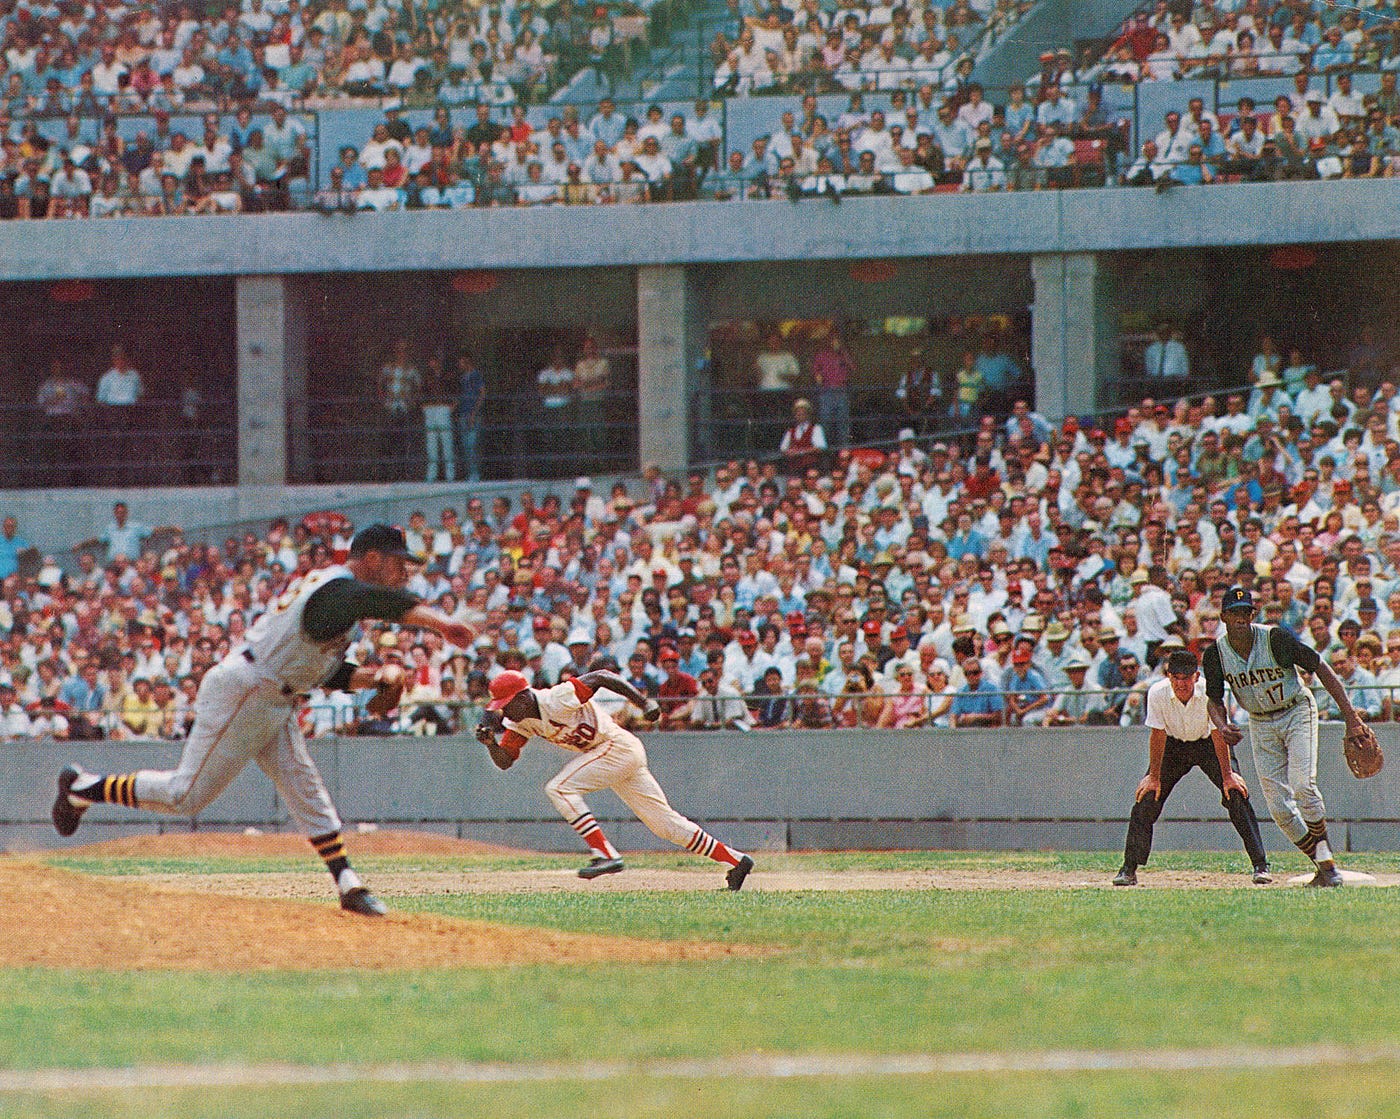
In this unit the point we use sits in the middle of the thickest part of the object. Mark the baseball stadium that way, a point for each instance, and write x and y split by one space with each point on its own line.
677 557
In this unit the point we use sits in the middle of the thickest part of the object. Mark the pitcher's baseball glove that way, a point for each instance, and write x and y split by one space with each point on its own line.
1363 753
388 691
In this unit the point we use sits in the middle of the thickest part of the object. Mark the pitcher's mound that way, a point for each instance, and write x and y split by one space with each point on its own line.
1349 878
58 918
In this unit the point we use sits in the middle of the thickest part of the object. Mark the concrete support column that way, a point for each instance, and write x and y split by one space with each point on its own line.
1074 334
668 324
271 318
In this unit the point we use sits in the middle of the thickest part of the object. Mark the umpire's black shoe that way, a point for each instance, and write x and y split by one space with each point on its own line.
67 815
735 875
1261 876
600 866
1327 875
1127 876
360 900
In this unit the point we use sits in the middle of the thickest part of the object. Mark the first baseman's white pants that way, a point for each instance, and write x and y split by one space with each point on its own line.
1285 754
622 767
241 717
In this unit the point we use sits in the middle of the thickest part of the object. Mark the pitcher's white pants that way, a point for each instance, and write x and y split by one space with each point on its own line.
241 717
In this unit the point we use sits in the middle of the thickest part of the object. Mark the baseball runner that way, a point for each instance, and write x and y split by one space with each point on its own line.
1180 738
1261 665
246 706
609 757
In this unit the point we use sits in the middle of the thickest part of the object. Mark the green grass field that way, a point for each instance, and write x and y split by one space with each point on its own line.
1136 974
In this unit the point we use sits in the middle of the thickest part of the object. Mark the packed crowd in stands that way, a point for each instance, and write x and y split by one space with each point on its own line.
1168 41
810 47
1036 574
940 130
57 58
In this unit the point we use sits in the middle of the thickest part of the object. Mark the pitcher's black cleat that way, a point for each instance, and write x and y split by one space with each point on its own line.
735 875
67 815
361 901
1127 876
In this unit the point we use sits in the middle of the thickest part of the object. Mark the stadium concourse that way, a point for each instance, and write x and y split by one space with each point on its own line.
1058 563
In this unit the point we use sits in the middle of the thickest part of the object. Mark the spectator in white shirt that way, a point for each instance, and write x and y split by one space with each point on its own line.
1166 355
974 110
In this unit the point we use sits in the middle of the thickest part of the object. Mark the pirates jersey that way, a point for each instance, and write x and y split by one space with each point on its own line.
279 645
1267 679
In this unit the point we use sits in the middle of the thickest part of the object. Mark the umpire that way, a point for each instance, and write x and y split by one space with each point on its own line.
1181 738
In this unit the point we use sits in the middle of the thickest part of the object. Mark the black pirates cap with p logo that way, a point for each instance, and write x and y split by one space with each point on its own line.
1237 598
386 539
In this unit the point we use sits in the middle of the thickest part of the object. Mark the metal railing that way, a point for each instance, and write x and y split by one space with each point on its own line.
517 437
809 708
152 443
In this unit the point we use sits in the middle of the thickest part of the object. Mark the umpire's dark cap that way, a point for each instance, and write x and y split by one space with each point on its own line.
384 539
1237 598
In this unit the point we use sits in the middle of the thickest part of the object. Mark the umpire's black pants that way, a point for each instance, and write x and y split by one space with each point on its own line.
1177 761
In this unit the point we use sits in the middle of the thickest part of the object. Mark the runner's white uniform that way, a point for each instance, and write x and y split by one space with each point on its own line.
609 758
1282 725
246 710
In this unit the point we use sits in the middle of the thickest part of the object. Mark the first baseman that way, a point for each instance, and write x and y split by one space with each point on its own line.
247 703
609 757
1261 665
1180 737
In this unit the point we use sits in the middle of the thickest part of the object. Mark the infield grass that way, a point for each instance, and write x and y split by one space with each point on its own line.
878 972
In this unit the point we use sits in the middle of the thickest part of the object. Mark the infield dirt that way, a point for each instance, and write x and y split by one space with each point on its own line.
58 918
249 921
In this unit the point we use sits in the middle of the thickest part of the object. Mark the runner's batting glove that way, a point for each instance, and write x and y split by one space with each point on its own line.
490 726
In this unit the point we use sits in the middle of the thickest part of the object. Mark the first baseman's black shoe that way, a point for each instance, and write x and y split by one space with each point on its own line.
735 875
67 815
360 900
599 867
1261 876
1127 876
1327 875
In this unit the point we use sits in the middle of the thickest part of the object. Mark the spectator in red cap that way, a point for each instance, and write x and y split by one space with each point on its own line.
677 692
898 652
739 669
1120 451
1027 701
870 630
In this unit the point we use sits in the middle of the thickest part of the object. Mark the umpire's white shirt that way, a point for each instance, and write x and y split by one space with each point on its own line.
1188 721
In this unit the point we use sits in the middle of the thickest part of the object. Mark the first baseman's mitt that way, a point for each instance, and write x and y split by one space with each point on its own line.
1363 753
388 691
